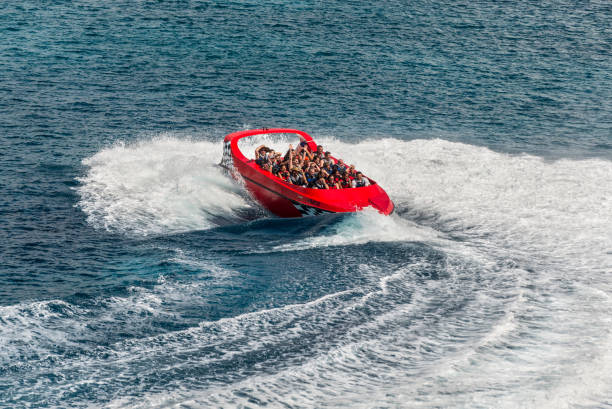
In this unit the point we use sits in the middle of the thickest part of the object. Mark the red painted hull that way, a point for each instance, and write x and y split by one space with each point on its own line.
288 200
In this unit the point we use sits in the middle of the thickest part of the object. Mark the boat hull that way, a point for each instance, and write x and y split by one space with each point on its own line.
287 200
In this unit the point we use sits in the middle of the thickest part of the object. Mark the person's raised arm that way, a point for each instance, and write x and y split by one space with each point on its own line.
299 148
257 150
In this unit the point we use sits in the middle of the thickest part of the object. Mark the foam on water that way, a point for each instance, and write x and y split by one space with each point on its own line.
521 319
559 207
527 203
158 186
365 227
198 350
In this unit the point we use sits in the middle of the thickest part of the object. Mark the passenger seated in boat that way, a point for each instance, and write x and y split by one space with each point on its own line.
276 164
303 146
321 184
340 166
352 172
319 154
267 167
312 165
360 181
296 163
297 177
346 181
311 177
333 182
290 153
327 159
326 167
261 154
283 173
337 176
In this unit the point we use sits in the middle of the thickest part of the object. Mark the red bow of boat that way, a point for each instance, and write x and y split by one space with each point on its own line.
285 199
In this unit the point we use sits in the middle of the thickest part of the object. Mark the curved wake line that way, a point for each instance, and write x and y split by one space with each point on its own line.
207 344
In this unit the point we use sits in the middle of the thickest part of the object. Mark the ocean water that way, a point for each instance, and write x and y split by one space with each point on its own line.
133 274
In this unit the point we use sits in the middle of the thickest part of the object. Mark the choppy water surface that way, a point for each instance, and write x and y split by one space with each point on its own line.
134 274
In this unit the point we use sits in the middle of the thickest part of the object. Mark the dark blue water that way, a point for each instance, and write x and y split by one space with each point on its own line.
134 274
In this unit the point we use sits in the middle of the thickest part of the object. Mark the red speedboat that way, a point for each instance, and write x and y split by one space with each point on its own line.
288 200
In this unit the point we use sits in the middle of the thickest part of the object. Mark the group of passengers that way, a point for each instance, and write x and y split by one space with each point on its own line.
315 170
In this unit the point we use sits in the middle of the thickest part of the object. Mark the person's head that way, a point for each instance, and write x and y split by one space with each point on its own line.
283 168
320 148
327 154
311 171
359 175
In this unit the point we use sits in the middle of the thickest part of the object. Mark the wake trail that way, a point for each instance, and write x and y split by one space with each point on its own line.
159 186
521 203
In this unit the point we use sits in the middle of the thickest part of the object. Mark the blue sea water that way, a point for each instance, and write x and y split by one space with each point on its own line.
134 274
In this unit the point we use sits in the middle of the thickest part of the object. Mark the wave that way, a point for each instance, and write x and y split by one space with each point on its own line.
522 251
465 198
523 202
159 186
196 356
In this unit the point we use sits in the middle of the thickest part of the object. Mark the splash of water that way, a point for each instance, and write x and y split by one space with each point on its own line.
156 186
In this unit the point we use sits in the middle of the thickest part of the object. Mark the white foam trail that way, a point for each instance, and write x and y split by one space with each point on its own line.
381 355
158 186
209 343
412 365
511 338
365 227
562 208
529 204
